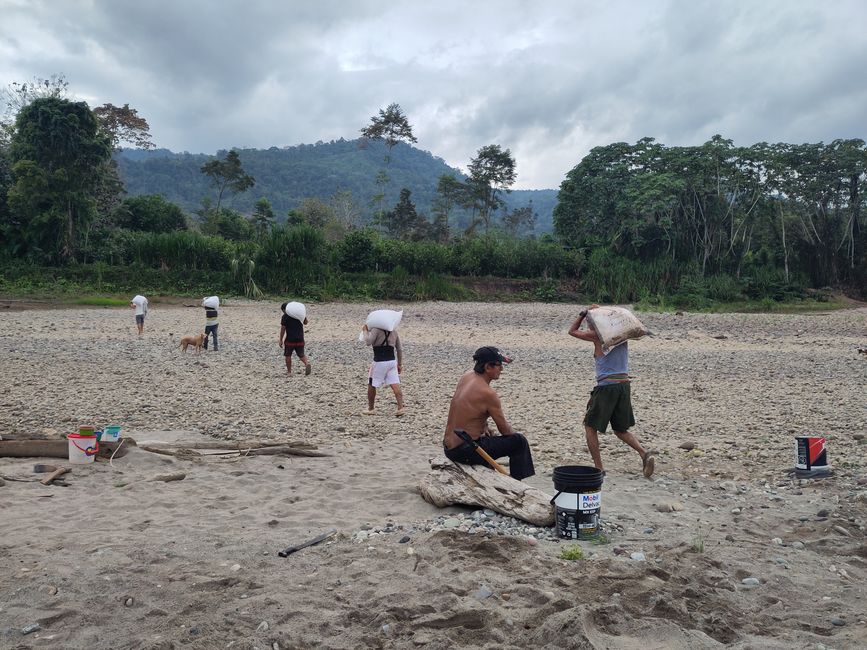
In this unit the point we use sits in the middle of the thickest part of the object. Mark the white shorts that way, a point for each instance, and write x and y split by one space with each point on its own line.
383 372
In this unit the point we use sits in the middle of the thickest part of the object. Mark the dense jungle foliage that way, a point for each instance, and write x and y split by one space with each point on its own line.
666 226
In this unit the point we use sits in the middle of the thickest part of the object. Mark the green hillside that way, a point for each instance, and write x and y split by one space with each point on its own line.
287 176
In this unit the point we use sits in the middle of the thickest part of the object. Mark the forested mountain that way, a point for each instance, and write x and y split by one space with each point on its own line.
287 176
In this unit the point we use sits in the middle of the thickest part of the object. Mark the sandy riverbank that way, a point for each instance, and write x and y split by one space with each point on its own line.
198 556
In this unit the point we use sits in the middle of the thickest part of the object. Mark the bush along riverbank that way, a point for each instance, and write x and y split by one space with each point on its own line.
104 285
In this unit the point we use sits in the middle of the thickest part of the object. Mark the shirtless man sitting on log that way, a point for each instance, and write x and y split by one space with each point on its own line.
472 404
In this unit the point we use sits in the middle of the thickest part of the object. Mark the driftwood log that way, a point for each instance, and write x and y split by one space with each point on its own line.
450 483
227 448
57 448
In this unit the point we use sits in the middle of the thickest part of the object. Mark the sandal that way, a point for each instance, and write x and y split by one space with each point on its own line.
647 465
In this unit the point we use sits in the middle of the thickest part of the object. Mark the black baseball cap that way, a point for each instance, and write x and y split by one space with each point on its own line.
490 354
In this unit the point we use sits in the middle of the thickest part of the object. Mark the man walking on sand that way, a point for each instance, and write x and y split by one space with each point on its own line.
610 401
292 340
212 323
385 369
472 404
140 305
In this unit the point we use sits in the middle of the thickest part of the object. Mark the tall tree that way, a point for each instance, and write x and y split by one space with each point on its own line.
57 154
228 174
123 124
450 194
345 209
17 95
263 217
520 221
391 126
492 171
404 222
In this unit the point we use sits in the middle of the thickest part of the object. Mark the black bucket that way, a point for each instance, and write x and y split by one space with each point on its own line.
578 501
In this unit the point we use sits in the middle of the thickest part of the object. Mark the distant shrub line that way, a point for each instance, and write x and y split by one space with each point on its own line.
298 261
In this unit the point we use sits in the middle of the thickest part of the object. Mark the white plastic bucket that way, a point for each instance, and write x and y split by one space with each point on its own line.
82 449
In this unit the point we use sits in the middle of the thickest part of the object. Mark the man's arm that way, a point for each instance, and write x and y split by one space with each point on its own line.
282 335
578 333
369 335
495 411
398 348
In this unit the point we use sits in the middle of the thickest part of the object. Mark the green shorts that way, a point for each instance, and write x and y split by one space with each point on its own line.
611 403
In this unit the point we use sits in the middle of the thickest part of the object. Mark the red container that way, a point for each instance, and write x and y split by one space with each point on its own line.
811 457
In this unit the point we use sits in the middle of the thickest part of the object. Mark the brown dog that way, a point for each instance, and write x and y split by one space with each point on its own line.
197 341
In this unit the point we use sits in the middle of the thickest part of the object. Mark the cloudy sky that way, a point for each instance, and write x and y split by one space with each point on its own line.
547 79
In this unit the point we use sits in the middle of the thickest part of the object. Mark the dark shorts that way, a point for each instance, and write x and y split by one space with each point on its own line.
139 319
610 404
297 348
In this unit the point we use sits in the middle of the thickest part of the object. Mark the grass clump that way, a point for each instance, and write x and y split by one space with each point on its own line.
699 540
572 553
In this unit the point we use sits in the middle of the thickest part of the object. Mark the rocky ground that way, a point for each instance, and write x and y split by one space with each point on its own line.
724 547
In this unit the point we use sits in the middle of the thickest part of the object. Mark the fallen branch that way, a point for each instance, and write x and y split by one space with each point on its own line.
177 452
225 445
474 485
187 452
168 478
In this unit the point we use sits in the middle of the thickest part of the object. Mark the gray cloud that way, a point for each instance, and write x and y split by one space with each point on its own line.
547 80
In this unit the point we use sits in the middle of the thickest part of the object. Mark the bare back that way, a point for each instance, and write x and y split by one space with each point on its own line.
472 404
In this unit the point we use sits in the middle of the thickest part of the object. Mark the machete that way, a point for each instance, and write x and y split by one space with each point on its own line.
319 538
463 435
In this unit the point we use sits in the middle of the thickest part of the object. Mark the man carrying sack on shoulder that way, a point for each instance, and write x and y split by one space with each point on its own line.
473 403
386 367
611 400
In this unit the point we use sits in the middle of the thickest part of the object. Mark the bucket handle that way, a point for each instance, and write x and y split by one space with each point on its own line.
554 498
89 451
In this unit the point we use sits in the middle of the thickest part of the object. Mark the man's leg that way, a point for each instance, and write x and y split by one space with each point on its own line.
215 337
398 394
646 459
516 448
288 359
303 357
371 398
593 445
207 336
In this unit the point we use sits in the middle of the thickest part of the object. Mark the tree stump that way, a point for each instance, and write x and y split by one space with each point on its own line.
451 483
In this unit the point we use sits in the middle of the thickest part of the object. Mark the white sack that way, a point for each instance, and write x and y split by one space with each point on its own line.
296 310
614 325
213 302
384 319
139 299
